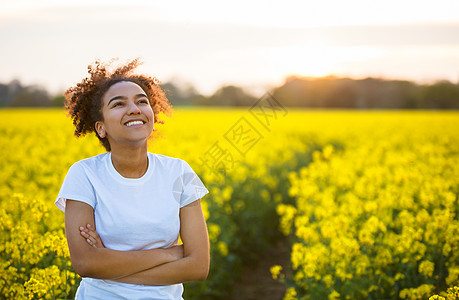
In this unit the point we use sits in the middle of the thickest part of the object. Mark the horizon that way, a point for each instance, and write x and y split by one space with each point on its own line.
250 92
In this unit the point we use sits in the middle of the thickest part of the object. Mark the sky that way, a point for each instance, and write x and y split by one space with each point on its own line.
208 44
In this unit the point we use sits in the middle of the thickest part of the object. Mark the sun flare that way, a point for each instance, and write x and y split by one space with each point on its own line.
318 60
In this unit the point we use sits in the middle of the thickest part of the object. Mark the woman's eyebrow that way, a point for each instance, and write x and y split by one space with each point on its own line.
141 95
116 98
124 98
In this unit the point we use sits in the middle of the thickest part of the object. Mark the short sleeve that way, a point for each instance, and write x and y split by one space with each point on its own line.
192 186
76 186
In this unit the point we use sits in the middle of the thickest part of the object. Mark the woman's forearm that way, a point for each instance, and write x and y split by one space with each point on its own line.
182 270
104 263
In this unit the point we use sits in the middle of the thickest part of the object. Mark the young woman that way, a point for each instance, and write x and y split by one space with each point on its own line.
124 209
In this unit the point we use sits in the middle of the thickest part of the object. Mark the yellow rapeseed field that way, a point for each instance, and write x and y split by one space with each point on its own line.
368 199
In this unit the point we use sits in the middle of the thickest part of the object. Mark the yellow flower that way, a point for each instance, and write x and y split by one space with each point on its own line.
223 248
328 280
290 294
452 293
334 295
426 268
453 276
436 297
275 271
214 231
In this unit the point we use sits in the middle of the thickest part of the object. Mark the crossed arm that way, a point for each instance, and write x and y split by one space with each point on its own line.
178 264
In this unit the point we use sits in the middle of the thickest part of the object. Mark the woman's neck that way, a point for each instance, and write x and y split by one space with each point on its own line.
130 162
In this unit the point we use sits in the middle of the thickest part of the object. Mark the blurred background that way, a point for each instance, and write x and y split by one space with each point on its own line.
354 197
364 54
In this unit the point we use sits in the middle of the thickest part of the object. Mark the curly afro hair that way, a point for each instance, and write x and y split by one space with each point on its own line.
84 100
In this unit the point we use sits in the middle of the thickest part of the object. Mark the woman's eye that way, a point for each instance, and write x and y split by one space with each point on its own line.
143 101
117 104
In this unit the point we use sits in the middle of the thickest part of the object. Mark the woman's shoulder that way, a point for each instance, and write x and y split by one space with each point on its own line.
92 162
167 161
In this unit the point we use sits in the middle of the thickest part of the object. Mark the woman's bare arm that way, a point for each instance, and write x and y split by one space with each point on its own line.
106 263
194 266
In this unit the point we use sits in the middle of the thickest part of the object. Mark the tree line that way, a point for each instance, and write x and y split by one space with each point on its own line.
326 92
367 93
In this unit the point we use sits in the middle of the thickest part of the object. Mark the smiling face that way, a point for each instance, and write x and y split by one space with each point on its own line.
127 115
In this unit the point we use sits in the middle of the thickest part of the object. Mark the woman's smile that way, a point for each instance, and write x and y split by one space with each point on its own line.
135 124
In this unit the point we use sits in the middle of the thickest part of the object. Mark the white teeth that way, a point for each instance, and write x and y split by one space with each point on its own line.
134 123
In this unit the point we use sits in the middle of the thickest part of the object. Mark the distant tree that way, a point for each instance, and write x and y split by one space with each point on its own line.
8 91
201 100
172 93
32 96
3 94
371 93
180 95
349 93
58 101
340 93
294 92
441 95
231 95
318 92
408 93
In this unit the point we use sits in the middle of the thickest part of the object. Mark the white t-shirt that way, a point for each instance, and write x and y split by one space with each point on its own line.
132 214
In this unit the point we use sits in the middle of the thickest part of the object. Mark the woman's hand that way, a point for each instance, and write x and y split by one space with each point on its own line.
91 236
93 239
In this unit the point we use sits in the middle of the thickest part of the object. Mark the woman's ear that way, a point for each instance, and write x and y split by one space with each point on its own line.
100 130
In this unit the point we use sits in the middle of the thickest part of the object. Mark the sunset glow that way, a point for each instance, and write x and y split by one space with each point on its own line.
251 43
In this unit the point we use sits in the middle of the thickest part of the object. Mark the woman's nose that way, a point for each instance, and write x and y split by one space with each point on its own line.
133 109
